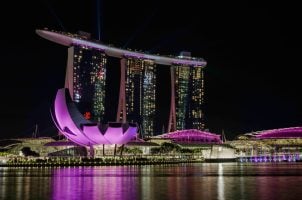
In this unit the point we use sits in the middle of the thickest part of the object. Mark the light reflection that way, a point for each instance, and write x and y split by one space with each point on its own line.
242 186
146 187
93 183
191 181
23 183
220 182
3 181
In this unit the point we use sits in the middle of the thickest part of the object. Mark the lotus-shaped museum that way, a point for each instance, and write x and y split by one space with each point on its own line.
81 131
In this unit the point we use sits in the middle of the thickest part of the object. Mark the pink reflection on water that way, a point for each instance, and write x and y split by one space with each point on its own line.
93 183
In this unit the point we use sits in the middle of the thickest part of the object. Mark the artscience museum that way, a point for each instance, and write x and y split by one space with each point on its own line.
81 131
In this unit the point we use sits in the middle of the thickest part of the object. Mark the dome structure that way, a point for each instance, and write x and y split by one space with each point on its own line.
192 136
81 131
292 132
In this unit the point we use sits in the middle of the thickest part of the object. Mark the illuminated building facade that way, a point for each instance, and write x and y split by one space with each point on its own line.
181 81
187 98
86 80
138 93
196 99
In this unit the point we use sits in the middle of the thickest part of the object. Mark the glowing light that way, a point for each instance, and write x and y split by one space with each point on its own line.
293 132
193 135
87 115
75 127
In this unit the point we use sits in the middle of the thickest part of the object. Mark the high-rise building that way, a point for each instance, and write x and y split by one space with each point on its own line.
182 95
138 93
187 98
195 109
86 80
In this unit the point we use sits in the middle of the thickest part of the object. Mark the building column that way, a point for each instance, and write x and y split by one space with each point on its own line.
172 115
121 110
69 72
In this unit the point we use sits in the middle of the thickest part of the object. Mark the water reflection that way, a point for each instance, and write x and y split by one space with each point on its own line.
95 183
220 184
192 181
24 183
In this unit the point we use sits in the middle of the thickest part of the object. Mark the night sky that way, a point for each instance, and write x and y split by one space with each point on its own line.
253 50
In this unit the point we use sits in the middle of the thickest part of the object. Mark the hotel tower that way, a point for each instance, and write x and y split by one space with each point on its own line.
86 80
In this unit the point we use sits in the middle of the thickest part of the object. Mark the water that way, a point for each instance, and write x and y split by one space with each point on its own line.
187 181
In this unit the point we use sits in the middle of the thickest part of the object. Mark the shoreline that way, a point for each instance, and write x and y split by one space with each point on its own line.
54 162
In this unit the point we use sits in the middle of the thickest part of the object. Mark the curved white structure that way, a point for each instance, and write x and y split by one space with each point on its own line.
68 39
76 128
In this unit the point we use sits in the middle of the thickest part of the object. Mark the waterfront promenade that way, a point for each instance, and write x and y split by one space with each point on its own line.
103 161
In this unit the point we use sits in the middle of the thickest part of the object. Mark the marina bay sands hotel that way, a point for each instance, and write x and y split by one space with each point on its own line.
86 78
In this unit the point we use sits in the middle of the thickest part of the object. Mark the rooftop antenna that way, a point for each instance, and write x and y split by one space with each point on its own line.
163 129
223 138
141 132
34 135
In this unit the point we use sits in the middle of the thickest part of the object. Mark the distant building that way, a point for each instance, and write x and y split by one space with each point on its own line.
196 100
86 80
187 97
138 93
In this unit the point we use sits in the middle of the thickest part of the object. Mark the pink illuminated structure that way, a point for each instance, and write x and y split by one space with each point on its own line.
76 128
292 132
138 80
192 136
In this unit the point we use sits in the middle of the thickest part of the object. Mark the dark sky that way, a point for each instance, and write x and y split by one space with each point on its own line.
253 50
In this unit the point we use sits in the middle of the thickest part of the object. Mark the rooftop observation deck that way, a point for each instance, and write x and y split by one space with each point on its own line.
69 39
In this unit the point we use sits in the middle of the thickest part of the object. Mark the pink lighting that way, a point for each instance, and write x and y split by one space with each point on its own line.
193 135
292 132
81 131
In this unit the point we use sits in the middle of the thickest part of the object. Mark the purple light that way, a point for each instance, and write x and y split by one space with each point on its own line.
193 135
90 133
293 132
94 135
94 183
64 121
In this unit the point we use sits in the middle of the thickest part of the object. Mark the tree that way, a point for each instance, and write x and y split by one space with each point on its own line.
167 147
26 151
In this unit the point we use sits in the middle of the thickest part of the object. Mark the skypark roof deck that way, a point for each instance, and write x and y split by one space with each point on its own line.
68 39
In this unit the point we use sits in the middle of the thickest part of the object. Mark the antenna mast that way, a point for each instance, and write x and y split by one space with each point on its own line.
34 135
